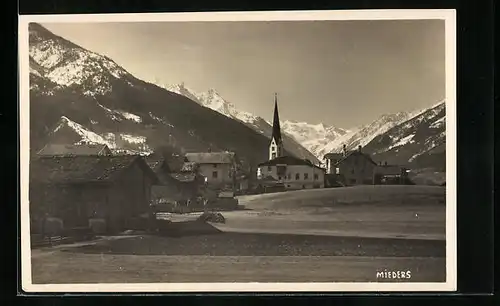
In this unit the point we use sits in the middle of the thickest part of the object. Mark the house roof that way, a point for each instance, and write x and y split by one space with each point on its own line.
288 160
211 157
74 169
71 149
333 155
357 153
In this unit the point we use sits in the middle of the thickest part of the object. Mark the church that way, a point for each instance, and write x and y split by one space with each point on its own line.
287 172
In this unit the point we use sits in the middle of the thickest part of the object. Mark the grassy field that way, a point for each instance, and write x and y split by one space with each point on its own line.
416 212
342 235
232 257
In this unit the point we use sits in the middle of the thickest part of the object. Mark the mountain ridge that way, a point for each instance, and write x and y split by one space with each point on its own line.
92 91
89 93
319 138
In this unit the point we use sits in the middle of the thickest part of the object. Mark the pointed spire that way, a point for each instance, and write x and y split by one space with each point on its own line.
276 120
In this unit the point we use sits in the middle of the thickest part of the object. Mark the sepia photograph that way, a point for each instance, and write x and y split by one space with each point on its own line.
238 151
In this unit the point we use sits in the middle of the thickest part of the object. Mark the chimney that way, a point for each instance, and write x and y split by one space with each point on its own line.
359 148
344 150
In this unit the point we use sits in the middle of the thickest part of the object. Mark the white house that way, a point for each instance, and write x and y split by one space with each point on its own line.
293 173
217 167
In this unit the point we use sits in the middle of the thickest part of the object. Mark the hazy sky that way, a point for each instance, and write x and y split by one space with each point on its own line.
343 73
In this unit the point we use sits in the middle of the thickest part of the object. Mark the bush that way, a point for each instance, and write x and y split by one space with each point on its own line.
215 217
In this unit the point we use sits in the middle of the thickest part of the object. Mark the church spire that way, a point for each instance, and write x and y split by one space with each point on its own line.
276 145
276 121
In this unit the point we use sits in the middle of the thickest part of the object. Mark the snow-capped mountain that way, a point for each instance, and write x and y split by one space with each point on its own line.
213 99
320 139
419 141
314 137
80 96
77 95
364 134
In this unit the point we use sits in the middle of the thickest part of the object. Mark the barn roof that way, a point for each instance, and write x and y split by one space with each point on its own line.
74 169
211 157
72 149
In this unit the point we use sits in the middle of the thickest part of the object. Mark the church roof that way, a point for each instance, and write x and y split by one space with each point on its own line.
276 121
288 160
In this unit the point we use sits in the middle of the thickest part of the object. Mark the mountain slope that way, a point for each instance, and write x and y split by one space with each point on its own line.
419 142
213 100
92 94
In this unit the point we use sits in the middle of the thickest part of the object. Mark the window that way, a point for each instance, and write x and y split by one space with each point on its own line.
289 176
297 176
316 176
279 178
269 168
215 174
337 170
273 149
215 165
273 156
306 176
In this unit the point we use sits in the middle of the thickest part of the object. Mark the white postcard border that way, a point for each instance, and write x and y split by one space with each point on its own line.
449 16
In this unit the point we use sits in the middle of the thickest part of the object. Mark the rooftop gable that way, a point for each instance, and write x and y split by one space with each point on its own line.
357 154
72 169
288 160
74 150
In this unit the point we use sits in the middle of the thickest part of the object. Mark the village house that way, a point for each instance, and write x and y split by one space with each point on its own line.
218 168
331 160
390 174
75 150
290 172
175 186
355 168
76 189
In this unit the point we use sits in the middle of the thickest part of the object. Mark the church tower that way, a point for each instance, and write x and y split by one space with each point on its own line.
276 145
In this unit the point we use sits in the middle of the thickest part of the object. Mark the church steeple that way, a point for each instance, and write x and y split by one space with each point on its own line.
276 145
276 120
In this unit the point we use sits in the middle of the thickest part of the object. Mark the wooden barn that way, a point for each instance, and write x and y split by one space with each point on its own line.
79 188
